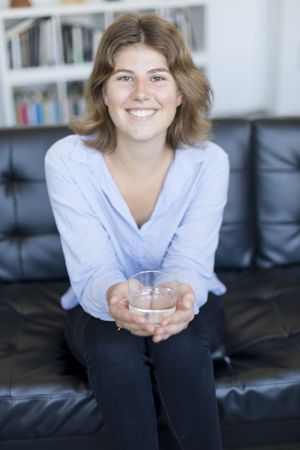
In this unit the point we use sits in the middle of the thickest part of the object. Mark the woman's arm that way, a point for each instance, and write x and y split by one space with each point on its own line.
90 258
191 254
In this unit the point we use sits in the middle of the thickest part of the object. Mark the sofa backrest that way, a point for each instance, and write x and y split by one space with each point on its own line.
237 237
29 243
277 168
261 224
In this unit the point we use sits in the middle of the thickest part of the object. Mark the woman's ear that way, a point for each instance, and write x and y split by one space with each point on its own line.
104 96
179 99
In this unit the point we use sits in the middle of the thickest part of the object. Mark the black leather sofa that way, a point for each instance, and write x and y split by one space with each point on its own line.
45 400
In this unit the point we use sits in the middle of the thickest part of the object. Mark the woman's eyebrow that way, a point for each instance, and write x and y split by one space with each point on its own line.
159 69
123 70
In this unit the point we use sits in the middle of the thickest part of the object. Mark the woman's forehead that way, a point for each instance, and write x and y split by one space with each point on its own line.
137 53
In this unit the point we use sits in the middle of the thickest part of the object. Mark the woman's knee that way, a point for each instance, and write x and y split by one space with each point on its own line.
99 343
185 348
111 351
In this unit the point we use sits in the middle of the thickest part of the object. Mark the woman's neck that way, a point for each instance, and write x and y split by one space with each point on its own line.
140 159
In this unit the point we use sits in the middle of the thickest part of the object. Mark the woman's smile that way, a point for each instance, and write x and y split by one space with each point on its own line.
141 91
142 114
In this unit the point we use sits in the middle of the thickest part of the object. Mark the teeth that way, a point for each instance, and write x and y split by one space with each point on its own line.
141 112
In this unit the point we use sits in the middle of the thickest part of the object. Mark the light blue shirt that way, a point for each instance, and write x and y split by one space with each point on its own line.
101 241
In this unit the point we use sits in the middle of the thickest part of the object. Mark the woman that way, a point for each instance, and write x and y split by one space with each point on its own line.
139 188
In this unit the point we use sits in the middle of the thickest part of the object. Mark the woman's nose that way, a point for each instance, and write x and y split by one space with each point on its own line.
140 90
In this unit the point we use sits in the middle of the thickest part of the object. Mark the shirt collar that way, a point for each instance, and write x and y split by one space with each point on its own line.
92 157
180 170
84 154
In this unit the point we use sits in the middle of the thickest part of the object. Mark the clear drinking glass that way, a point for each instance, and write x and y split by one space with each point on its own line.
153 294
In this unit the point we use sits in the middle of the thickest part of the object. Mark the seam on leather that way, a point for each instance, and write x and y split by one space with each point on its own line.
279 318
14 198
250 422
245 385
233 351
38 397
13 358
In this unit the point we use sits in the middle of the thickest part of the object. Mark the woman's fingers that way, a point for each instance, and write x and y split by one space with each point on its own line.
120 312
177 321
134 323
138 325
184 313
124 318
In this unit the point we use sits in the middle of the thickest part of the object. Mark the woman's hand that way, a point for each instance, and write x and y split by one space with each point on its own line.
117 297
180 319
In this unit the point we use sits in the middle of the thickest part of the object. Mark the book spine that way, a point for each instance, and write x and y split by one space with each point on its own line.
16 52
37 106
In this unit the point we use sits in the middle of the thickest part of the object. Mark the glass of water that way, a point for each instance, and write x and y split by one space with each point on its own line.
153 294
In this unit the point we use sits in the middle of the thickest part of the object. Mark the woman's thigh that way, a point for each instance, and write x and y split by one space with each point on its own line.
201 337
94 341
91 339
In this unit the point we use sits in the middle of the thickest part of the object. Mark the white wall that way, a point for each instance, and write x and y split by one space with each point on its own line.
237 45
254 54
288 82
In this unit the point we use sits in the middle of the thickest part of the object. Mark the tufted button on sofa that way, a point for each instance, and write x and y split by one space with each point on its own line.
45 399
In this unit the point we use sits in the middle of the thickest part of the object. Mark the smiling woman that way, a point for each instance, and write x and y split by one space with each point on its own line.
141 95
138 188
190 124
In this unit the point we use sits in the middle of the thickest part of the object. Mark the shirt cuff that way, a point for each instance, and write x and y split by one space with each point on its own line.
201 286
94 300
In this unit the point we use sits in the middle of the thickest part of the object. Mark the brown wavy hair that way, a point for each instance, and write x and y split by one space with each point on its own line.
191 124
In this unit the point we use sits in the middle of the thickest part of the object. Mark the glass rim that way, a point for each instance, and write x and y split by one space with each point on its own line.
159 278
153 271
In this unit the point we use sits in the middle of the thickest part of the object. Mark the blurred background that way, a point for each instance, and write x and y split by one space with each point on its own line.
249 49
255 51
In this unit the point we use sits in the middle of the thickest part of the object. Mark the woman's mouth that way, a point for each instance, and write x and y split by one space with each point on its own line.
141 113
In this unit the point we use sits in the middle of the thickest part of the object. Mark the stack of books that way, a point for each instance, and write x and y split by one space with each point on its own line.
37 106
79 43
76 103
181 20
30 43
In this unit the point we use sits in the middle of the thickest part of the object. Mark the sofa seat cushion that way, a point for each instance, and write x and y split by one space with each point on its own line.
259 376
43 391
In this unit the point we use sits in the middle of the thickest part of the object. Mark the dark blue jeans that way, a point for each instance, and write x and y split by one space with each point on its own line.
121 366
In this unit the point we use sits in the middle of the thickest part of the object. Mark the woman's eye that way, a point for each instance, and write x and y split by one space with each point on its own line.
124 78
158 78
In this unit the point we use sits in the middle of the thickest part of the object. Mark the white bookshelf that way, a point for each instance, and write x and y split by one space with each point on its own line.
18 81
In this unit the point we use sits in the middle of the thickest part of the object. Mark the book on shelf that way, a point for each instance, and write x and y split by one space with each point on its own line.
37 106
79 43
181 20
19 28
75 99
30 43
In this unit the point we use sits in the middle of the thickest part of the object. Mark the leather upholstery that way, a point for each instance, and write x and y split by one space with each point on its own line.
262 344
278 185
29 243
44 392
237 238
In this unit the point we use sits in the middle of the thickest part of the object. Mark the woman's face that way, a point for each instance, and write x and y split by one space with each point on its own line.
141 95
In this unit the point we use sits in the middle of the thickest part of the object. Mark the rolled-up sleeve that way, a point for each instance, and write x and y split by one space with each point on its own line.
90 259
191 254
